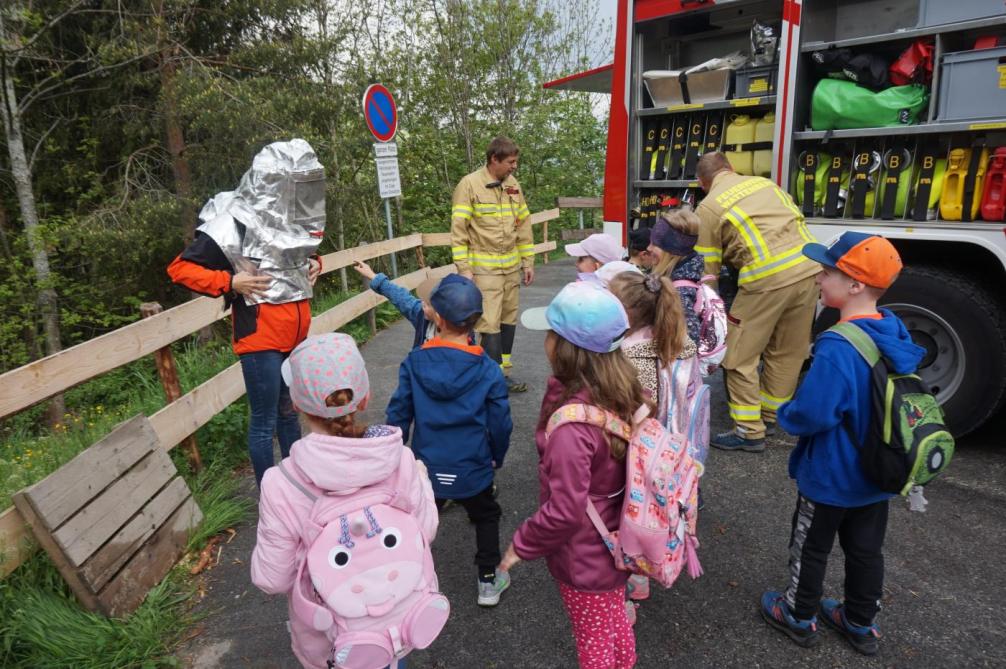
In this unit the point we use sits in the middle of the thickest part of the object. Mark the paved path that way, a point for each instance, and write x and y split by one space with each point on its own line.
943 603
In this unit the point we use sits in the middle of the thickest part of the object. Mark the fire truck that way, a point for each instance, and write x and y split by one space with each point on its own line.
952 292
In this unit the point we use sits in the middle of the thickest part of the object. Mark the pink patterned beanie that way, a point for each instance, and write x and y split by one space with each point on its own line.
321 365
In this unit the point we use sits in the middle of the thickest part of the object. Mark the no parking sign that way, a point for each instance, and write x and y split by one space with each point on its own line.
380 111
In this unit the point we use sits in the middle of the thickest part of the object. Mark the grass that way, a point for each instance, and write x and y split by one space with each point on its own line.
41 624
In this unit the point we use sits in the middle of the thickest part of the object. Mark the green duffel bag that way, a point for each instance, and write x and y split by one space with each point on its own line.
838 105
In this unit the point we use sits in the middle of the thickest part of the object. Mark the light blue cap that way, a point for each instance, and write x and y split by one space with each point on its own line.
584 314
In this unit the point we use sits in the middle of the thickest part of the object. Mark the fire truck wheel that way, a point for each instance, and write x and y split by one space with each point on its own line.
962 326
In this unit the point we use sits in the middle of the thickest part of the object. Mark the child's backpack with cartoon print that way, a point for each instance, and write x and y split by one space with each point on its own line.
712 343
366 578
656 532
907 443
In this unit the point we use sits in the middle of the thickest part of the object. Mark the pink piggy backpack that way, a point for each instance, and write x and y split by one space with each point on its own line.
656 532
367 578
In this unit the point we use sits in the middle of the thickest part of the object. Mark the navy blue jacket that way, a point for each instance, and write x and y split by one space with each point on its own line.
457 398
407 304
825 463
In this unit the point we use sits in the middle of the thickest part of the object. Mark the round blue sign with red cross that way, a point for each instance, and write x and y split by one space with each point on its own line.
380 111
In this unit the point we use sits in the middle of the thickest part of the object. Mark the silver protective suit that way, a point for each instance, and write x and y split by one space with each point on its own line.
275 219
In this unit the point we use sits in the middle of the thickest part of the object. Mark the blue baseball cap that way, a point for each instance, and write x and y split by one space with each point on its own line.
456 299
584 314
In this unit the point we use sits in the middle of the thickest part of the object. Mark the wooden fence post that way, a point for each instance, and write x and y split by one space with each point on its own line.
544 232
168 373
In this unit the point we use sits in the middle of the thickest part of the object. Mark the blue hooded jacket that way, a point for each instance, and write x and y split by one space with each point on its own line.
825 463
458 400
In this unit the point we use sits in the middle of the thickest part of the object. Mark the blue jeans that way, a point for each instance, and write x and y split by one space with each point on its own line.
272 411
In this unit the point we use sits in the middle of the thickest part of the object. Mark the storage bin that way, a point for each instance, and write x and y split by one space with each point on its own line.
666 89
939 12
756 81
972 85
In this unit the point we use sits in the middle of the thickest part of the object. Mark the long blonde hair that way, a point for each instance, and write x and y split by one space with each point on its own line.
340 426
610 377
653 300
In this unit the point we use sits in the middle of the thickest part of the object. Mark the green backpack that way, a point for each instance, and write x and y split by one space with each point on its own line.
907 442
836 105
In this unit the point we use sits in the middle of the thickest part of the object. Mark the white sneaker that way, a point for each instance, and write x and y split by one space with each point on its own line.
489 592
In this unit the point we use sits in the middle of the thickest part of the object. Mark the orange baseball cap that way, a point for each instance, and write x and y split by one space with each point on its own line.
870 259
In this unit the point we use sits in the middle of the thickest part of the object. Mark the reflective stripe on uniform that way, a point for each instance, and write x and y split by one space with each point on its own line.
710 253
523 212
772 402
749 232
525 250
462 211
801 223
500 260
459 253
760 269
742 412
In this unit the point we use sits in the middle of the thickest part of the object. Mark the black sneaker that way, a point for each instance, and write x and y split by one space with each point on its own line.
770 430
865 639
515 386
731 441
776 613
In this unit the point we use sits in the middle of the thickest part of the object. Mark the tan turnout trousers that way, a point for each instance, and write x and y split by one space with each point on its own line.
773 328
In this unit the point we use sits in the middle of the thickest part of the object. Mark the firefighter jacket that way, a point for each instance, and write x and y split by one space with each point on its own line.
753 226
203 268
490 226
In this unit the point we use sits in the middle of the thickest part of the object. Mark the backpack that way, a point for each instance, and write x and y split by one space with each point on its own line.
656 531
907 443
712 343
366 579
684 406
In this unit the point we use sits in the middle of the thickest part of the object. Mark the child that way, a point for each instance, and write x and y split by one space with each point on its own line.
579 462
639 244
328 385
594 251
417 310
457 398
834 497
656 340
672 243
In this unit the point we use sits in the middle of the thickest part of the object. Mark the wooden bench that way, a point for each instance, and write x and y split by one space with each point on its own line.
115 519
576 234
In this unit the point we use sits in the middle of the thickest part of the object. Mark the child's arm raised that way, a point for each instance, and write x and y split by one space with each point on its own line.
400 410
567 460
407 304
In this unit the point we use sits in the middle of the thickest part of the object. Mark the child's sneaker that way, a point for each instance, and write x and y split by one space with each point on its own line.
776 613
630 611
490 591
864 639
638 587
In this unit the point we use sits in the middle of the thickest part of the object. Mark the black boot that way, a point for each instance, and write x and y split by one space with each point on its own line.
508 331
493 345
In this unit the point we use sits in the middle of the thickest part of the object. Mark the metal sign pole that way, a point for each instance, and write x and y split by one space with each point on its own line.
391 234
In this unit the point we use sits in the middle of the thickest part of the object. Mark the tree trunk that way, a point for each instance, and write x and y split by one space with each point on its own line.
176 143
46 296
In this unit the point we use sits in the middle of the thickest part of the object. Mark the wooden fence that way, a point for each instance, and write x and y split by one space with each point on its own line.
40 380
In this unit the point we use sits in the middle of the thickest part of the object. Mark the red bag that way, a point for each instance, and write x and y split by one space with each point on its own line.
914 65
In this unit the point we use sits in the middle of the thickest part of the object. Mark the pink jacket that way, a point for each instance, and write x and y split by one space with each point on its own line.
573 465
336 465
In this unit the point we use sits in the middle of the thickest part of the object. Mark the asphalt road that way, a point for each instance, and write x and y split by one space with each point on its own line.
943 597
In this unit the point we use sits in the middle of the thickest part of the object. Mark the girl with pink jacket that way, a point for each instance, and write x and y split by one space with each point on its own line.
335 461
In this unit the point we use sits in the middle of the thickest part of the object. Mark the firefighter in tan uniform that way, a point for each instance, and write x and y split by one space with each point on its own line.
491 243
752 225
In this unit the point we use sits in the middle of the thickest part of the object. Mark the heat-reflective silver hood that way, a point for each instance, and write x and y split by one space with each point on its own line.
275 219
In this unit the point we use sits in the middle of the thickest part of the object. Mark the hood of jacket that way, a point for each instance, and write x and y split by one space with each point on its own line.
446 372
892 338
343 464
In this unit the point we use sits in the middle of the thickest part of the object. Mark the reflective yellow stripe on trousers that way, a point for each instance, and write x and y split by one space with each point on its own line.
743 412
760 269
772 402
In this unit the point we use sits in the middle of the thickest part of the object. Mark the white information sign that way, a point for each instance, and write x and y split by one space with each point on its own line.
389 183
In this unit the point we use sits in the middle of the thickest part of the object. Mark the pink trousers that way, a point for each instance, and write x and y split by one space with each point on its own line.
604 638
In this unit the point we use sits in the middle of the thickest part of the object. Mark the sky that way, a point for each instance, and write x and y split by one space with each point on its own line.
608 10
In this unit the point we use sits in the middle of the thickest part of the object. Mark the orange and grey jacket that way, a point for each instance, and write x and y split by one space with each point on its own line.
203 268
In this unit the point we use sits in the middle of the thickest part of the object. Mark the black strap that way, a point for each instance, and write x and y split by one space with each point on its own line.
834 186
683 82
678 141
714 136
924 186
896 160
808 166
649 144
971 178
750 146
860 184
696 133
663 141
